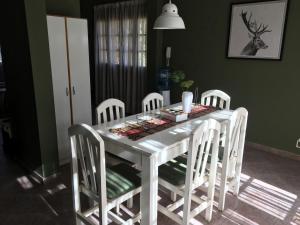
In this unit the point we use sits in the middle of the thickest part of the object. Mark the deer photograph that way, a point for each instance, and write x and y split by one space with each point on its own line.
257 29
255 32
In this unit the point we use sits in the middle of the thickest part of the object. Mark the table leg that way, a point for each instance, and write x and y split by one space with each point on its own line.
224 170
149 190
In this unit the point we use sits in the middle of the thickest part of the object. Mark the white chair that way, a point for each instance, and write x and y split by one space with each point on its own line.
183 180
216 98
105 187
110 109
232 158
152 101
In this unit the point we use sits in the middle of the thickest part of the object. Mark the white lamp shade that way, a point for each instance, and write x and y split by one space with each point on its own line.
169 19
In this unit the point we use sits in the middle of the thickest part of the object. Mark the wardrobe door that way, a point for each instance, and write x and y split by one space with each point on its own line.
78 49
59 67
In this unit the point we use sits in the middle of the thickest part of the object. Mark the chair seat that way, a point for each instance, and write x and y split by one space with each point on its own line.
121 179
174 171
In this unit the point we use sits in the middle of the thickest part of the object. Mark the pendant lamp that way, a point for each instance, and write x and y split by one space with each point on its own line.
169 18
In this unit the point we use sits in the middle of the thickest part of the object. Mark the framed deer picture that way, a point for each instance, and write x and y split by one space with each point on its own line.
257 30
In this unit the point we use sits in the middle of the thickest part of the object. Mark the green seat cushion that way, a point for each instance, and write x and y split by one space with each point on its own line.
121 179
174 171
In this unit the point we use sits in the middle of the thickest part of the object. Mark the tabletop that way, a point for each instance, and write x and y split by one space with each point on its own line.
161 140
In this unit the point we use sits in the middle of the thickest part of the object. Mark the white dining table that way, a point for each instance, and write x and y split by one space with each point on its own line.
149 152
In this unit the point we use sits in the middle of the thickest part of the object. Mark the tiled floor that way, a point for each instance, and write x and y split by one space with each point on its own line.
269 195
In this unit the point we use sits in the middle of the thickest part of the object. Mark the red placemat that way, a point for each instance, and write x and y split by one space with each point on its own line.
135 131
139 129
201 110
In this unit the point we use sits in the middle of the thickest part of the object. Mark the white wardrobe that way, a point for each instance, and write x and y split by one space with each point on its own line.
69 53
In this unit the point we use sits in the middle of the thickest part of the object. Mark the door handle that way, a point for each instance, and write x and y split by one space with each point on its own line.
73 88
67 91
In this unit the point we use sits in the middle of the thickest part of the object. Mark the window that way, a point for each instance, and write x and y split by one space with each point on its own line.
123 42
121 52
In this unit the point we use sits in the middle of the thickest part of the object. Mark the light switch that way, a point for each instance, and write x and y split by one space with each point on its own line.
298 143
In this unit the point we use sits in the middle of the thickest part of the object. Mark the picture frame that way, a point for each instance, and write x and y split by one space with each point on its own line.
257 30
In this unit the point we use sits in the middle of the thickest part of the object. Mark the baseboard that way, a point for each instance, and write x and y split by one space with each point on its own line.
274 151
41 179
34 174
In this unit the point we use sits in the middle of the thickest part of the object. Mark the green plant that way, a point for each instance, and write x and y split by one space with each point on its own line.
178 76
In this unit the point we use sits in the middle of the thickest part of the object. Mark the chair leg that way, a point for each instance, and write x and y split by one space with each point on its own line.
103 214
236 187
224 174
237 178
78 221
173 196
236 190
130 203
118 210
211 187
187 208
223 186
104 220
222 196
75 183
188 192
209 209
210 194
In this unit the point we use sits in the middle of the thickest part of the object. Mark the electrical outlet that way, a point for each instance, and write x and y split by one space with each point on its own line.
298 143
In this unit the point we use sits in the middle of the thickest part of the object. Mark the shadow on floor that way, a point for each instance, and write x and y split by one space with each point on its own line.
269 195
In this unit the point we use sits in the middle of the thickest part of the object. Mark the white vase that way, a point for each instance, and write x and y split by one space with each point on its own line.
187 100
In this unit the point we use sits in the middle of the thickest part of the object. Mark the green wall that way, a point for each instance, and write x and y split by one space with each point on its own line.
268 89
154 45
26 61
69 8
42 80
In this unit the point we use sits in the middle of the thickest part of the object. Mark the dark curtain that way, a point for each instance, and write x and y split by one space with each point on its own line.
120 57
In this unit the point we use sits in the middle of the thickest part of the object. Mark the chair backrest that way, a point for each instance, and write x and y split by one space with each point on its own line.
110 109
204 147
216 98
87 147
152 101
236 142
